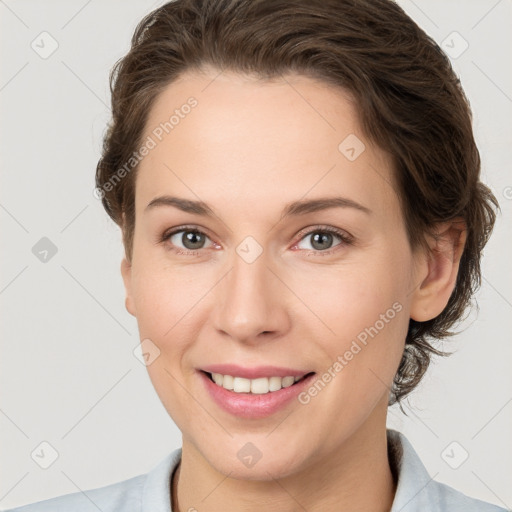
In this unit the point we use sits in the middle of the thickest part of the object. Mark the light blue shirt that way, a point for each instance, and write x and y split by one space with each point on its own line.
416 490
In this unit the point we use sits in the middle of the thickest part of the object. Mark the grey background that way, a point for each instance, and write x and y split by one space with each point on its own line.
68 372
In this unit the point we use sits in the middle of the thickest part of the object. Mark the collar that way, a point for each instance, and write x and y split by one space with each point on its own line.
156 496
413 492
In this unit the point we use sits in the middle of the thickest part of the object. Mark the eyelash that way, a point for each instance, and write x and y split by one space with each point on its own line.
345 238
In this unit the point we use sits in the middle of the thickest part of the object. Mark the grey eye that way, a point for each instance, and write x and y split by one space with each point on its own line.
320 240
190 239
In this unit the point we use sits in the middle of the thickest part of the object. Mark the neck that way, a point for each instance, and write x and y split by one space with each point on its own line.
356 477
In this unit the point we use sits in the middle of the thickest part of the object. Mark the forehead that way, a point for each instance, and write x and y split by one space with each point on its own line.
267 141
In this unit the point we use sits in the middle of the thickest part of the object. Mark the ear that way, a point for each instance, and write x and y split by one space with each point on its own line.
437 270
126 272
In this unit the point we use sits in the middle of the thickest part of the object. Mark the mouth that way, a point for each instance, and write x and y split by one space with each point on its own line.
257 397
258 386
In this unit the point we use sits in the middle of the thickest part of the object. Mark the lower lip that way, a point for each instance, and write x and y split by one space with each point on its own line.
249 405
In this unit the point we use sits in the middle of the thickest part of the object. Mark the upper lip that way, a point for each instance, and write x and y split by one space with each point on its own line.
255 372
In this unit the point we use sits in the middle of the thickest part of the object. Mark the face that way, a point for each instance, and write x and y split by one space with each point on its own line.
295 263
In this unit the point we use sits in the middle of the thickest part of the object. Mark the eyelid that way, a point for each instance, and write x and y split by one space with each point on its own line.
324 228
184 227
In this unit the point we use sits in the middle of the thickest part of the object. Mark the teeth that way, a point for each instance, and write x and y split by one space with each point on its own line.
257 386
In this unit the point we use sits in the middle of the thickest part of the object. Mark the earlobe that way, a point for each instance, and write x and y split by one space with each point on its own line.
438 270
126 272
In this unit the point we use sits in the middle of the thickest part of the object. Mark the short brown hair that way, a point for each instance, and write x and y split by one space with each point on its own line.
409 99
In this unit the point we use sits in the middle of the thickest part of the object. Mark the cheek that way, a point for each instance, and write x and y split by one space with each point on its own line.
155 301
365 308
370 322
172 308
168 313
351 298
165 296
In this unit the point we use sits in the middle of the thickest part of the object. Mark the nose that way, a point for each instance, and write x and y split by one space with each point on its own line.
251 302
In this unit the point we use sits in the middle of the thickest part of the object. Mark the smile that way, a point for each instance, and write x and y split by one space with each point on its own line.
256 397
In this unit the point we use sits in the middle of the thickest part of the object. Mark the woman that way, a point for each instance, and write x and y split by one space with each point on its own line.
294 245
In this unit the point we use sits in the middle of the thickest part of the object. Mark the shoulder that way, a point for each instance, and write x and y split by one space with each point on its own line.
451 500
125 495
417 491
149 491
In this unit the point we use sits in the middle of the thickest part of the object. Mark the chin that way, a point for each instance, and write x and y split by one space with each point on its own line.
249 463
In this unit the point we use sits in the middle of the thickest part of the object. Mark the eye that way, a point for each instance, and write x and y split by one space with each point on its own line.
186 239
321 239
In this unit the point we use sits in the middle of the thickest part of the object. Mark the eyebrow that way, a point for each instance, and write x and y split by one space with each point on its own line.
300 207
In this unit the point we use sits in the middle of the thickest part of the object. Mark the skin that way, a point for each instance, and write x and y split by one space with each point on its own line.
248 149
